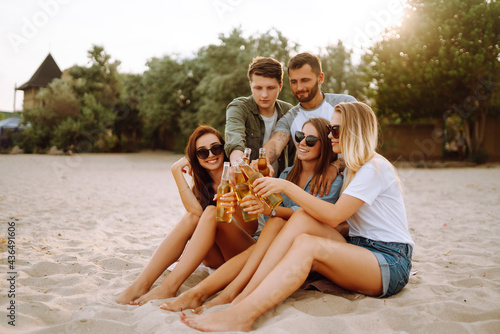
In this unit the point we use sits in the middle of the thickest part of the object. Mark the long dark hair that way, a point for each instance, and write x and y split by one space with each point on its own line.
326 156
202 181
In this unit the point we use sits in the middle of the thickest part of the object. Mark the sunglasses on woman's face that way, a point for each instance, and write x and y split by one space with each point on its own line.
310 140
203 153
335 130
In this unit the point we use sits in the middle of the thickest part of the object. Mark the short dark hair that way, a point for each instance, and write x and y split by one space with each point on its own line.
266 67
302 59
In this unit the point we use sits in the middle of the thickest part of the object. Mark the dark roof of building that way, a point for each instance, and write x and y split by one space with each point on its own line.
47 72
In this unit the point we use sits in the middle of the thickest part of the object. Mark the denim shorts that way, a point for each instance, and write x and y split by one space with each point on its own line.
394 260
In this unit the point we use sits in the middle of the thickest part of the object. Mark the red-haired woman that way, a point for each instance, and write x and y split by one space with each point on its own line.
210 243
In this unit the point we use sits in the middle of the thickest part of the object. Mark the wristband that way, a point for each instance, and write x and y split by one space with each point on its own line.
334 165
273 213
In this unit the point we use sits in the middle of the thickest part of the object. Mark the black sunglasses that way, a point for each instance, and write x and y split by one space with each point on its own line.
335 130
310 140
217 149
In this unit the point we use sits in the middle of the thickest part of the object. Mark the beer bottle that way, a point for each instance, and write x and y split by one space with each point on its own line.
262 162
246 155
272 200
246 158
223 213
242 189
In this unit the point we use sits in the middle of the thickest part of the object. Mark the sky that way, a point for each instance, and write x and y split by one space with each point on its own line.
135 31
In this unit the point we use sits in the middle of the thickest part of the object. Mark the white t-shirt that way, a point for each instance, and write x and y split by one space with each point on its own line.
383 215
295 118
270 124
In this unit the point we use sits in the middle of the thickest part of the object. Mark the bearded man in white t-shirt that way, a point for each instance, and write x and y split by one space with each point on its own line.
306 77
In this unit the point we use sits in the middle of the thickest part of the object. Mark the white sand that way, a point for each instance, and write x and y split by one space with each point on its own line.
86 225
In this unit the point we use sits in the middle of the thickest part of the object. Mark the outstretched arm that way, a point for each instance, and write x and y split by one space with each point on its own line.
253 205
331 214
235 131
235 155
275 145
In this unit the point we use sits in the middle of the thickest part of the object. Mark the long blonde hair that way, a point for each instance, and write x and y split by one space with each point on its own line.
358 136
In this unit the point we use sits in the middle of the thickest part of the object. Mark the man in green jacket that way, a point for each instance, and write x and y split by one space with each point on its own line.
250 121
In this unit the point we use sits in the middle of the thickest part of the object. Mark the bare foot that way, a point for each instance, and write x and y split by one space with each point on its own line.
220 299
224 321
188 300
130 294
242 295
238 299
160 292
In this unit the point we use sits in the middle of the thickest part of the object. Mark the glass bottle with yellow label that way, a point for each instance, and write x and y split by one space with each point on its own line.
272 200
242 189
224 214
262 162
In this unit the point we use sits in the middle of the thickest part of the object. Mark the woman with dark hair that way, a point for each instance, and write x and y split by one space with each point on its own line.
314 155
210 242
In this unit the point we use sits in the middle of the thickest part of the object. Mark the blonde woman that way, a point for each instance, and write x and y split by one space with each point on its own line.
376 261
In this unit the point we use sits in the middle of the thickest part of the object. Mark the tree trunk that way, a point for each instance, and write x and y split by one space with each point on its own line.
474 129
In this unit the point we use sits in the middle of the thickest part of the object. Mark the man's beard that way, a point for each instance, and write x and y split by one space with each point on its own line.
310 96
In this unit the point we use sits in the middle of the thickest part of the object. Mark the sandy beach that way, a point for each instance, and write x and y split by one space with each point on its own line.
86 225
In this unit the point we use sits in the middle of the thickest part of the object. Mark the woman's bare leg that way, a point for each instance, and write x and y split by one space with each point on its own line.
234 238
216 281
167 253
230 238
349 266
282 243
269 232
200 244
194 297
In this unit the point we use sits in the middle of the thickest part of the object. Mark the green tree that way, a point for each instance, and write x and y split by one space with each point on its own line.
226 79
128 126
180 93
189 98
59 103
341 75
443 59
101 78
169 105
79 112
227 65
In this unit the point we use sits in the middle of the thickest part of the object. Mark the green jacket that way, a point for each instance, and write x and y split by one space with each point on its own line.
245 128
